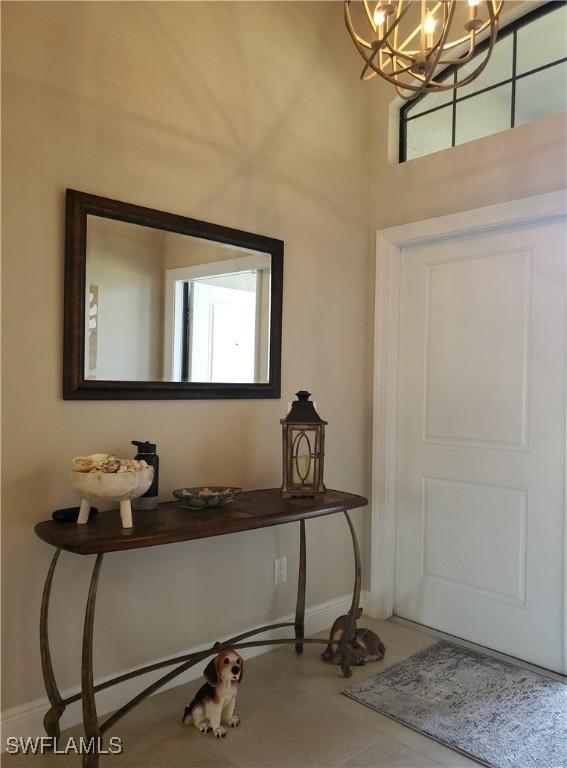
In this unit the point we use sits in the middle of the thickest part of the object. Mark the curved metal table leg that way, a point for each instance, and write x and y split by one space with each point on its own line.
90 717
52 717
352 614
301 583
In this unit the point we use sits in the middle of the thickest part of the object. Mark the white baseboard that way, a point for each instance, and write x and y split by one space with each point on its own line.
27 719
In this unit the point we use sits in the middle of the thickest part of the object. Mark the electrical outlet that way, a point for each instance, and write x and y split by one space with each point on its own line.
280 570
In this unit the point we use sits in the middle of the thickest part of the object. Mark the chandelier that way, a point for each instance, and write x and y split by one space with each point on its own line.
411 41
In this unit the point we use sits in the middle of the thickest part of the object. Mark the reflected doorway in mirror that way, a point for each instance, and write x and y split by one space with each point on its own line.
217 319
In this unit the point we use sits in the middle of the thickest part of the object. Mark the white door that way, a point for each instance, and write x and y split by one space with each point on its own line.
481 438
223 328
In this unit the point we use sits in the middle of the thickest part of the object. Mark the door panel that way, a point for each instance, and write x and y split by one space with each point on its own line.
481 444
461 513
481 356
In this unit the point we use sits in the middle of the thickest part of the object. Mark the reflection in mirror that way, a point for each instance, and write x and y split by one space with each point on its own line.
164 306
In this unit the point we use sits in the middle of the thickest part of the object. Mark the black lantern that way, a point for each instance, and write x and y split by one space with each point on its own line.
303 435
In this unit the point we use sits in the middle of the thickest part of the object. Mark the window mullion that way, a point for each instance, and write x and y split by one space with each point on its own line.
454 109
514 69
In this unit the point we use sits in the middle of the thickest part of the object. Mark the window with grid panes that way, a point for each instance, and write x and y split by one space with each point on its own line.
525 79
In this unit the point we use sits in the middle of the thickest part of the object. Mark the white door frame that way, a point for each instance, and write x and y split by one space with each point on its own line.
389 244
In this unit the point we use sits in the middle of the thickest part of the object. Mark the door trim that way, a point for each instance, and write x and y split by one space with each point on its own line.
389 244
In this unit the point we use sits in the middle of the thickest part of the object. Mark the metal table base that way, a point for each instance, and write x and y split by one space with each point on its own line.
93 727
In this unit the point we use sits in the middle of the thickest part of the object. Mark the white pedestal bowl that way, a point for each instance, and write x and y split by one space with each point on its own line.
111 486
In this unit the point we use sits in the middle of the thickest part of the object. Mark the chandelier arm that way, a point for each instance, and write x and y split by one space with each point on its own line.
401 71
395 58
407 86
468 79
476 72
403 96
400 54
377 71
493 15
370 64
439 85
439 49
361 45
385 42
396 68
356 37
388 77
369 16
381 44
459 60
359 42
444 29
423 79
418 28
394 27
440 45
410 96
370 61
360 49
403 56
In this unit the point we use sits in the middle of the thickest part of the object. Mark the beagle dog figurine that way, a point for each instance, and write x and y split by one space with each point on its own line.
215 702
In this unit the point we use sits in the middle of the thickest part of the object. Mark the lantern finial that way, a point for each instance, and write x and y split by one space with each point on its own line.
303 411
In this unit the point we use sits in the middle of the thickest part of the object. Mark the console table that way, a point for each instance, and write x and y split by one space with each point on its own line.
168 524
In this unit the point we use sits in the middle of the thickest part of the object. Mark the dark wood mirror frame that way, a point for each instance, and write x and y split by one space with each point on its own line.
75 386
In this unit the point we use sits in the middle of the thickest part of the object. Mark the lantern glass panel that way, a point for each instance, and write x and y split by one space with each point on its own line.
304 443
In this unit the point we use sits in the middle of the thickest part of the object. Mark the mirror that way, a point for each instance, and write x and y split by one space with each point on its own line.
166 306
159 305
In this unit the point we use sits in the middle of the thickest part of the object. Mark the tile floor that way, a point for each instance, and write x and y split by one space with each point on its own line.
293 716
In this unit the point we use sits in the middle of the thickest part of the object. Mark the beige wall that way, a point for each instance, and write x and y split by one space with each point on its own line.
183 251
244 114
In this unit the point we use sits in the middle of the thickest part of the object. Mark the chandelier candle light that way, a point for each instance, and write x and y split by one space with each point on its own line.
303 442
411 55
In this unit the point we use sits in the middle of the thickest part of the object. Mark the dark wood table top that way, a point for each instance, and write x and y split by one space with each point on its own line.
171 523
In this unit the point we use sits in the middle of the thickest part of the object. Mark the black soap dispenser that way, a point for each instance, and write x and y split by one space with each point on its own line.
147 452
